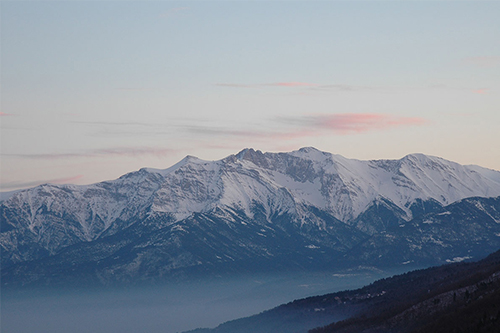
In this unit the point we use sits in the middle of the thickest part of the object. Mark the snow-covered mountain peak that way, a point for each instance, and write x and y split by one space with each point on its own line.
189 159
275 160
445 181
418 156
241 155
311 153
238 202
254 156
422 160
277 182
192 159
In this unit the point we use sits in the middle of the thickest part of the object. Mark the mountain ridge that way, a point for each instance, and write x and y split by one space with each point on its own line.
319 199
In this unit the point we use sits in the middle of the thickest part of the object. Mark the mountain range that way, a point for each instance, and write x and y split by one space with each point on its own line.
250 212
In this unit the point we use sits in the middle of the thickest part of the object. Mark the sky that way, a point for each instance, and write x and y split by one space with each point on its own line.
91 90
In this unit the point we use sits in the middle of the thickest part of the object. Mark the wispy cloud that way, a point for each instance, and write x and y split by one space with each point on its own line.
291 84
343 124
236 85
349 88
305 88
3 114
311 87
362 122
284 134
16 185
484 61
113 123
279 129
290 128
135 151
121 151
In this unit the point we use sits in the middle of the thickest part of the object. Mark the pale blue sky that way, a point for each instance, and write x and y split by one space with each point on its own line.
91 90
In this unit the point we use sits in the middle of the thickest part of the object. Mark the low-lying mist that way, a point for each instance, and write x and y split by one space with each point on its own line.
166 309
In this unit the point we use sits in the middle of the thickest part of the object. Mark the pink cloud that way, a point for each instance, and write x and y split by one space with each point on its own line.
341 124
5 114
480 91
362 122
313 126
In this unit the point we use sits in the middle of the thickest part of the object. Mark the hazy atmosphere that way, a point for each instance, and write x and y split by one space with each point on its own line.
166 309
91 90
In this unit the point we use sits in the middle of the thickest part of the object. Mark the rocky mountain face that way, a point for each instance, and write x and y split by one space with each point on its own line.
305 209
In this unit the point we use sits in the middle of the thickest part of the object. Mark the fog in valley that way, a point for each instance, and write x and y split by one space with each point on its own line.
167 309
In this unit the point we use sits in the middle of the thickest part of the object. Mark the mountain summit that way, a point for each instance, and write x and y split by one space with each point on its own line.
306 207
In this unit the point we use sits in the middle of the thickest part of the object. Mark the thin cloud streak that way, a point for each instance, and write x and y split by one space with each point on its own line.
313 87
16 185
113 123
348 88
236 85
362 122
126 129
280 129
3 114
134 152
122 151
313 126
292 84
339 124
